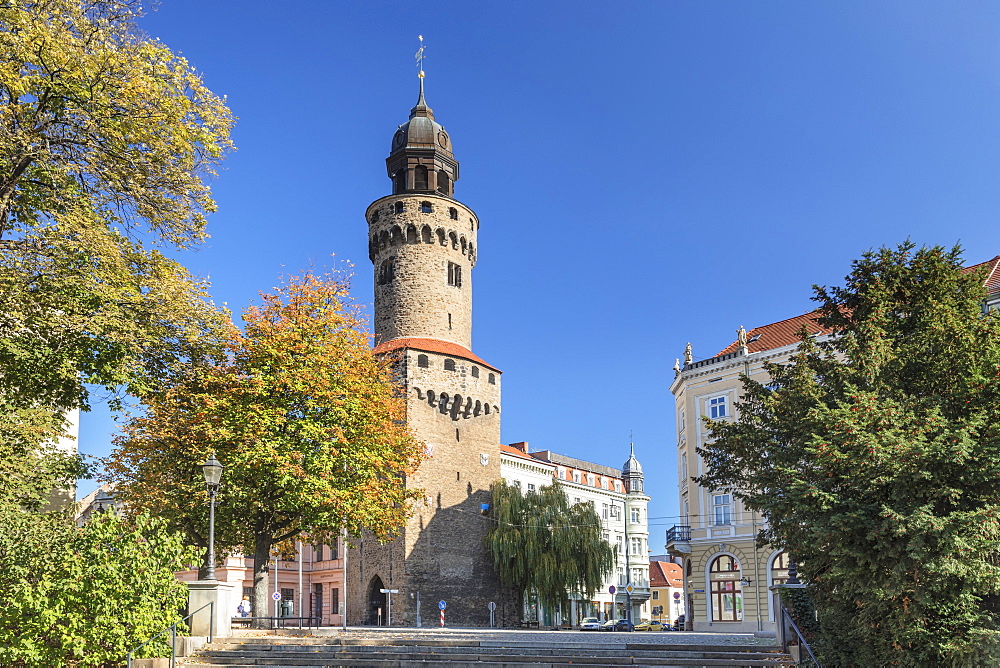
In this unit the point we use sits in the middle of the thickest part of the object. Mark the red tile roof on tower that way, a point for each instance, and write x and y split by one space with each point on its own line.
432 346
665 574
785 332
778 334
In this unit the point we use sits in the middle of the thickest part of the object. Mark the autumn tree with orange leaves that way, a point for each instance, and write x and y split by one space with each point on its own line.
305 419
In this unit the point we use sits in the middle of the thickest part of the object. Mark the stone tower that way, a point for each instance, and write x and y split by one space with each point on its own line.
423 245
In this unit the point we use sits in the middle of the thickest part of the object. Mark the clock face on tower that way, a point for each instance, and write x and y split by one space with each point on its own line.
397 139
443 139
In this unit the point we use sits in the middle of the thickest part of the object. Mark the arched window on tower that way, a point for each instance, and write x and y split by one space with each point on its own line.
399 207
444 183
411 234
420 178
454 240
386 271
441 237
449 365
425 234
492 379
475 372
399 182
453 213
397 236
425 207
422 361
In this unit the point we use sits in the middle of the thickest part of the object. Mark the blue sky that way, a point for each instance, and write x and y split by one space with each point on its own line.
646 173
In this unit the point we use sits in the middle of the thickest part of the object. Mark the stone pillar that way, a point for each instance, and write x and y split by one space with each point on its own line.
216 620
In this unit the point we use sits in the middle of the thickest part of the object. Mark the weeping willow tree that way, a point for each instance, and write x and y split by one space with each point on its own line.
543 544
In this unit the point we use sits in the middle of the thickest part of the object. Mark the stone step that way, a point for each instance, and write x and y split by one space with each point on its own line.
456 652
311 652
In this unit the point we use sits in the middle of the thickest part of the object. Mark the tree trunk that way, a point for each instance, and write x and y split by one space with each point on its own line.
261 582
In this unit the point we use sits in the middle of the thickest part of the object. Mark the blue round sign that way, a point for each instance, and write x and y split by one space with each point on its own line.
442 605
612 589
276 596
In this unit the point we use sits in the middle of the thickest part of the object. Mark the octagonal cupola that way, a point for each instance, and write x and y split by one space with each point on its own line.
420 160
632 473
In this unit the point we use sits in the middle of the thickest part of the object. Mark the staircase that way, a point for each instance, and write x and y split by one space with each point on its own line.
448 651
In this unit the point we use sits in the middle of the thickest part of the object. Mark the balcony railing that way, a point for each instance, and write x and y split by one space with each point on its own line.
680 533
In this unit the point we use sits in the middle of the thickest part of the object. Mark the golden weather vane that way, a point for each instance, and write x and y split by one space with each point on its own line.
420 57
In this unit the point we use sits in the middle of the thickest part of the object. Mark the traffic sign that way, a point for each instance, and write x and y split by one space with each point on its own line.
492 606
276 596
389 591
612 589
442 605
629 588
677 595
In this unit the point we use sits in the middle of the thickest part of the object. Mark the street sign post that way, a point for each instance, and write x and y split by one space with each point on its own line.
441 606
492 606
388 604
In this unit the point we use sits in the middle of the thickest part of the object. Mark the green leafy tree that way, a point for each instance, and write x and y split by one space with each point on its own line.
305 419
542 544
107 140
86 596
875 457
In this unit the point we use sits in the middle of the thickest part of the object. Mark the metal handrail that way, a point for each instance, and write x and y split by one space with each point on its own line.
802 640
173 634
279 621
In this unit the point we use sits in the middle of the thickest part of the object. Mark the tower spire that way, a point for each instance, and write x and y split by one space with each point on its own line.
421 108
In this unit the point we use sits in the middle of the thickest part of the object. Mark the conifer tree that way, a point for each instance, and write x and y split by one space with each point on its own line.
875 456
542 544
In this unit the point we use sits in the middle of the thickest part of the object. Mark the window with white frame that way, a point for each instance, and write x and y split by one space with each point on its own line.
531 487
682 422
635 546
717 407
516 483
614 512
576 476
562 473
621 544
604 510
590 478
606 536
722 508
636 516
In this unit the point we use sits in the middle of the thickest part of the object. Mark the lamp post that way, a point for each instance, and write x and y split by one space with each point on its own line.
212 471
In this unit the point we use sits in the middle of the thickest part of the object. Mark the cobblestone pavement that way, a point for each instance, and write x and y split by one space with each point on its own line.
519 635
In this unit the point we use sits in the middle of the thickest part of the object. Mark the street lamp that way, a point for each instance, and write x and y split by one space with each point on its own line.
212 471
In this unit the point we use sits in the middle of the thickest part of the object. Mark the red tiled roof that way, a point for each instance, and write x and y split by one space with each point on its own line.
783 333
992 281
778 334
432 346
514 452
665 574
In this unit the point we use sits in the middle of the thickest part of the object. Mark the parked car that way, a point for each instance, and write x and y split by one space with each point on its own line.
616 625
646 625
590 624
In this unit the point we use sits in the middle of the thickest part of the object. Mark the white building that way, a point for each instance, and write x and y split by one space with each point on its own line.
619 500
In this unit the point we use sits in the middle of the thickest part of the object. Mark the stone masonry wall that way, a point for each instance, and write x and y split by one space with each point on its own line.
417 301
442 555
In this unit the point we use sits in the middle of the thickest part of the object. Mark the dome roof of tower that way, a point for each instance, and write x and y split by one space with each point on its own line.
421 131
632 465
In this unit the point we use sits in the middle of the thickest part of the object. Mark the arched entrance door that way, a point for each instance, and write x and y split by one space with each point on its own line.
376 601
